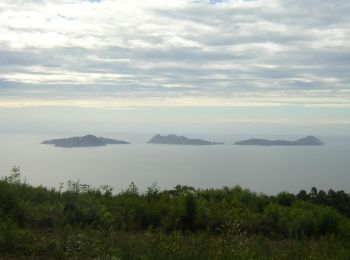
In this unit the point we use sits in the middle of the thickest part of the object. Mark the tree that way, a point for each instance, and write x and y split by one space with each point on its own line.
191 211
302 195
285 199
15 175
313 193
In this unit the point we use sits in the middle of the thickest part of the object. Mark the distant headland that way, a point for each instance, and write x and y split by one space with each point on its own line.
174 139
306 141
83 141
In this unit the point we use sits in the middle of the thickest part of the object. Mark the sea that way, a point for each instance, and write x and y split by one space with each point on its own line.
269 169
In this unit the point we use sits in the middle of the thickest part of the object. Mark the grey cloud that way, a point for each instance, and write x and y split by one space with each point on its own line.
236 50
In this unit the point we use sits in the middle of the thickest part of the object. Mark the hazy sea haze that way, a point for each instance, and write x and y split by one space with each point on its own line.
262 169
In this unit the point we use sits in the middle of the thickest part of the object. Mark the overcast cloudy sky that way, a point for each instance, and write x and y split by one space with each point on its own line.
288 56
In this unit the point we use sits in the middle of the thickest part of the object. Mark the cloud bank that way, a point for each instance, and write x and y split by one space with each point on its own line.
113 53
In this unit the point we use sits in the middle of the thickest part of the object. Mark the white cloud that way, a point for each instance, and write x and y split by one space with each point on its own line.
186 52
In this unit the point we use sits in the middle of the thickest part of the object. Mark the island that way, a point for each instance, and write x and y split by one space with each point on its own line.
306 141
182 140
83 141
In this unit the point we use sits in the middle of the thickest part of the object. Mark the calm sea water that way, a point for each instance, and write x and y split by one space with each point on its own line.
266 169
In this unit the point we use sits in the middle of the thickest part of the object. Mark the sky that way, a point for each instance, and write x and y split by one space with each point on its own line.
254 66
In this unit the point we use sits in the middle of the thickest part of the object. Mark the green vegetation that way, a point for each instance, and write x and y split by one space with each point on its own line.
81 222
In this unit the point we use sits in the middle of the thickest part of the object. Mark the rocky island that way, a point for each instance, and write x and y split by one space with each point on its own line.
83 141
174 139
306 141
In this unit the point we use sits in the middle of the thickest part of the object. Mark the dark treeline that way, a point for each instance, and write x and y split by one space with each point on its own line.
339 200
180 223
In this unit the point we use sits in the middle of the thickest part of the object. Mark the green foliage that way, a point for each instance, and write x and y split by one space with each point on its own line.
191 211
12 238
82 222
152 193
15 176
285 199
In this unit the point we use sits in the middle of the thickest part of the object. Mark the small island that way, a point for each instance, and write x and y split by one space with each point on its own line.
83 141
182 140
306 141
